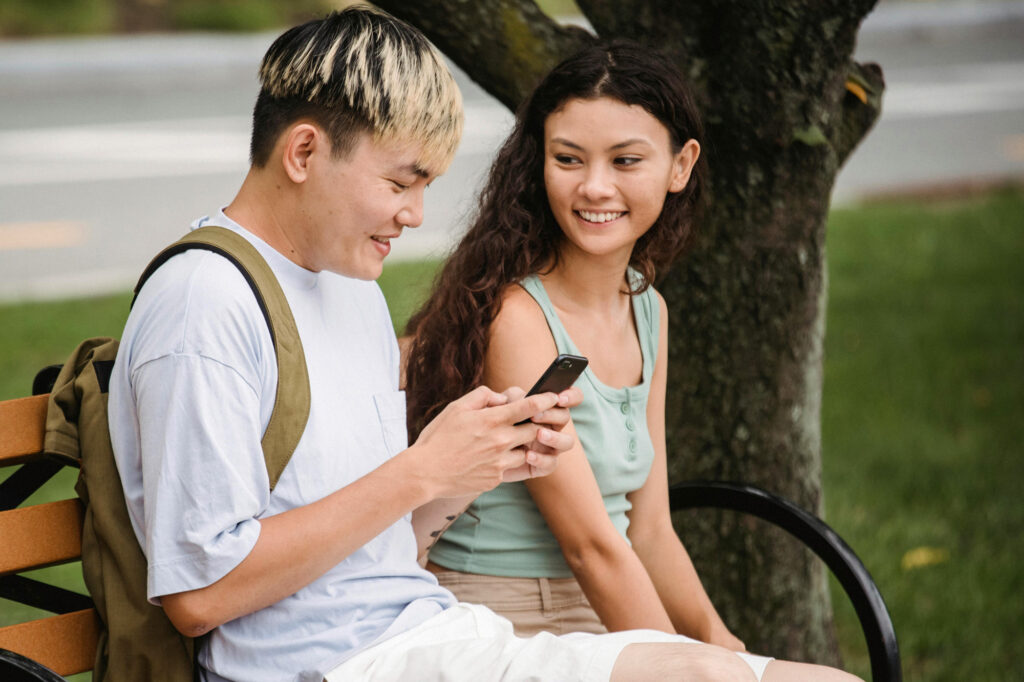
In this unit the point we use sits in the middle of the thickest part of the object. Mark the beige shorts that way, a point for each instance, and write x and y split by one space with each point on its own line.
555 605
470 643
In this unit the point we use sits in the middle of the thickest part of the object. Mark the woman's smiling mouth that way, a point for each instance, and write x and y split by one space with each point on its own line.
600 216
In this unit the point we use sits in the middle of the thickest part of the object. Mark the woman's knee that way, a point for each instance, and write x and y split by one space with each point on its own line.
698 662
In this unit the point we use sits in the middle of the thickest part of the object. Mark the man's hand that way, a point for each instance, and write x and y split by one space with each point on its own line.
542 453
471 445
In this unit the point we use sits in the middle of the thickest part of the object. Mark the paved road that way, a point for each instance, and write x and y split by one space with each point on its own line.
109 147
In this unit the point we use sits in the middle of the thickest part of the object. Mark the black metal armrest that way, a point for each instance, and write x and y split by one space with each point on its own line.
16 668
825 543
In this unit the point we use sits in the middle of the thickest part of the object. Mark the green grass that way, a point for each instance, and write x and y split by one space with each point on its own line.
55 17
922 428
406 285
30 18
33 335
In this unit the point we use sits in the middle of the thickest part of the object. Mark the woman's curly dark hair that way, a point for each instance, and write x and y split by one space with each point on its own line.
514 233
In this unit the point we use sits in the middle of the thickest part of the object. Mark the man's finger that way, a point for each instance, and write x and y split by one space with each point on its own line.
525 409
481 397
541 464
514 393
555 418
570 397
554 440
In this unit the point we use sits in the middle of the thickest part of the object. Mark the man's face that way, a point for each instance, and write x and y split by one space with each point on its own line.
354 206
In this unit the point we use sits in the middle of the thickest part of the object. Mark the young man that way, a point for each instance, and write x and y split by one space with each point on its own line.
319 577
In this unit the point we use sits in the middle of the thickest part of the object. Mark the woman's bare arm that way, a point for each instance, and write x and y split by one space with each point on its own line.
607 569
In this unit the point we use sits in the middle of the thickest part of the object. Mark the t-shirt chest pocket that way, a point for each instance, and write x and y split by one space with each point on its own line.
391 415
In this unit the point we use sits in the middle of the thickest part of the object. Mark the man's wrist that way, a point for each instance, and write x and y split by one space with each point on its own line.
408 471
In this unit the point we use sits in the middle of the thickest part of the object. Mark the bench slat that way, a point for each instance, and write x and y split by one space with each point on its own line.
66 644
40 535
22 423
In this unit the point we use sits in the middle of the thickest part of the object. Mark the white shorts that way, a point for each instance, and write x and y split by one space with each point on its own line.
470 643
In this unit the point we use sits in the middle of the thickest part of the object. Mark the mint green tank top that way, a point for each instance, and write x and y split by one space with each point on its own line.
503 533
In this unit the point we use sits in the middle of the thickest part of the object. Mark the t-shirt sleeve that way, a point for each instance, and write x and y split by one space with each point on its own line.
204 478
192 372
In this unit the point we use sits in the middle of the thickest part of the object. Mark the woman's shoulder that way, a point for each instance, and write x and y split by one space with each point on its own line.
655 310
655 295
520 321
518 306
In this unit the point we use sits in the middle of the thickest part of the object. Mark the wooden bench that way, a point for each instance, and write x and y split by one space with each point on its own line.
37 536
48 534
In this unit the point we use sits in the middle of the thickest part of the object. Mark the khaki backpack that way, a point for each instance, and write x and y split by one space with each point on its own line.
137 641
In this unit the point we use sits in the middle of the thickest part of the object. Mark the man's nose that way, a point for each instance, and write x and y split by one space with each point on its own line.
411 214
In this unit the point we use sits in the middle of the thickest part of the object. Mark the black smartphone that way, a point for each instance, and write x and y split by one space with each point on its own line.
560 375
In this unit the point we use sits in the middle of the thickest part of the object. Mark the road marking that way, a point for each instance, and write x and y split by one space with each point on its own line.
41 235
146 149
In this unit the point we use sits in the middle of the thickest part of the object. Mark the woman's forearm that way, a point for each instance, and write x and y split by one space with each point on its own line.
619 589
678 586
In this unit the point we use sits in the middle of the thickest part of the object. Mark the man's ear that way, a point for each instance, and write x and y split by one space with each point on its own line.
682 165
299 144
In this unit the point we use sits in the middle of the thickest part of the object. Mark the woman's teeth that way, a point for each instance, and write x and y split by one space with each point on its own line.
600 217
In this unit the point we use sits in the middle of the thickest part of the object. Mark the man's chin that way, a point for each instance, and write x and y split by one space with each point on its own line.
366 272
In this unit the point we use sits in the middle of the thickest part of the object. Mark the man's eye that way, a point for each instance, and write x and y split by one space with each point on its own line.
399 185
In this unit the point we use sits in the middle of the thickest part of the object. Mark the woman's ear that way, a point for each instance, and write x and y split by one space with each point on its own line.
299 143
682 165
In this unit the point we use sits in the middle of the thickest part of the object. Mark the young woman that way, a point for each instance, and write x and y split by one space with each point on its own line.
593 193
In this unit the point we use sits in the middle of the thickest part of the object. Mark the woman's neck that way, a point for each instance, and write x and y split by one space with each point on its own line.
583 282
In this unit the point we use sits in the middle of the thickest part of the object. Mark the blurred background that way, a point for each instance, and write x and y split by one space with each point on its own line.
122 121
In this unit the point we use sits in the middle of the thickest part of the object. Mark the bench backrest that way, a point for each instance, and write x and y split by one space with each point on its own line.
36 536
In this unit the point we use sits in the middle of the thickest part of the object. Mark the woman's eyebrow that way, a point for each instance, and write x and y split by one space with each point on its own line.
632 141
619 145
567 143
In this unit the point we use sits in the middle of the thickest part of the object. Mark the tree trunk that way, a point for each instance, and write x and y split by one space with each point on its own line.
784 105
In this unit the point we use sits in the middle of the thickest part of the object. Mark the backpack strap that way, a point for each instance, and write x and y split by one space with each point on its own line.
291 405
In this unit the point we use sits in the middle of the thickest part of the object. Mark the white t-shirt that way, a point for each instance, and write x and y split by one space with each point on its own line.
191 394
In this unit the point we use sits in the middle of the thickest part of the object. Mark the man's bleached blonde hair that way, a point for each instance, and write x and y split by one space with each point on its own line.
359 71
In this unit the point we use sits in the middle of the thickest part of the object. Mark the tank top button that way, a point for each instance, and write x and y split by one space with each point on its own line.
630 425
625 408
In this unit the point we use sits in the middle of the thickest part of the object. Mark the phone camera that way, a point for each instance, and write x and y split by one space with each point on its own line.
565 364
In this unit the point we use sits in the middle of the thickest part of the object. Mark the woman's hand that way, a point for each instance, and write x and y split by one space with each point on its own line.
721 636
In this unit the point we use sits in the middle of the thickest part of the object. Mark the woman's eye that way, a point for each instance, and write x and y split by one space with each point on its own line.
627 160
565 159
399 185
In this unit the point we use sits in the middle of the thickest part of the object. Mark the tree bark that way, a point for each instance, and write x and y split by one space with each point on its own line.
784 106
504 45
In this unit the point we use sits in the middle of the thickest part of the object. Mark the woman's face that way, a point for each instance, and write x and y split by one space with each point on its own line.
608 167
